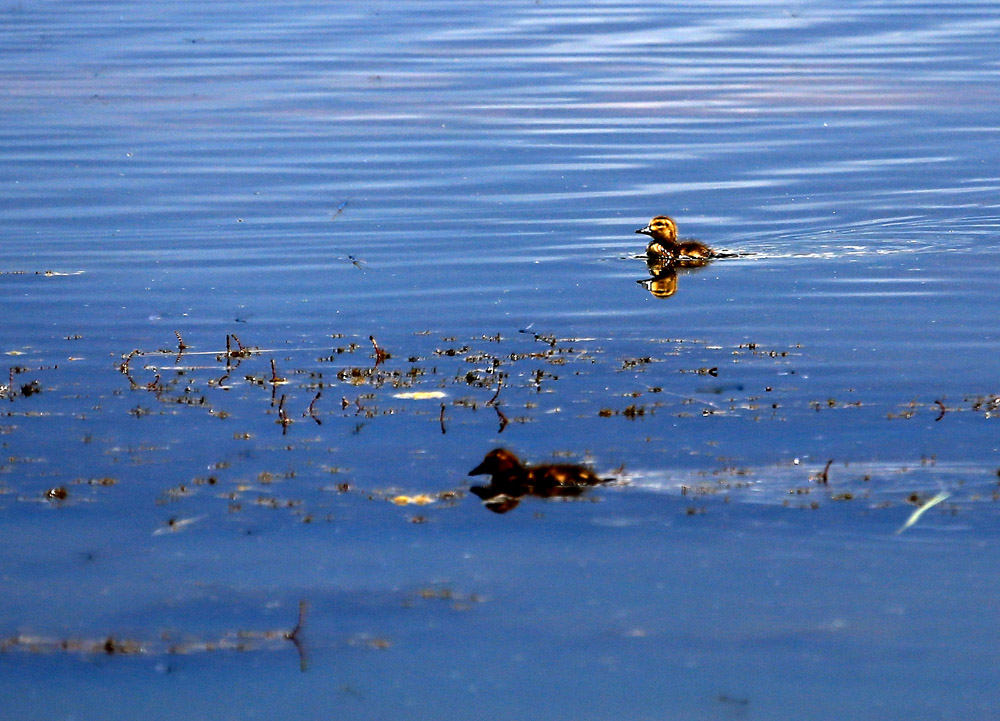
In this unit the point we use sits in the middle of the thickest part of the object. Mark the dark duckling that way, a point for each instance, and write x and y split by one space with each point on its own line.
664 244
511 480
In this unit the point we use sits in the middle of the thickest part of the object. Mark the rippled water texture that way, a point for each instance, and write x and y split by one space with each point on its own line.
220 499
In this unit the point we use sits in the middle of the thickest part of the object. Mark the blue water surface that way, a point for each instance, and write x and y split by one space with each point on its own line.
461 182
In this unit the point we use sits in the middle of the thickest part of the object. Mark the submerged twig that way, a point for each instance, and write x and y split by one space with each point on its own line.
241 351
181 347
128 359
503 418
294 635
380 353
496 395
275 378
283 418
311 410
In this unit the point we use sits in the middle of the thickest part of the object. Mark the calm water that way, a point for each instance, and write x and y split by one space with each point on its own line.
462 183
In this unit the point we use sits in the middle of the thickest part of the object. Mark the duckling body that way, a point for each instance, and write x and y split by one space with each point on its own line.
664 244
511 479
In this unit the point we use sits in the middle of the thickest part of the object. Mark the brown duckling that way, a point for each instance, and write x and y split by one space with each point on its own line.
511 479
509 476
664 244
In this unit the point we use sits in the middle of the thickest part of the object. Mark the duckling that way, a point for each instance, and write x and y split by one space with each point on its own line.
511 479
509 476
664 243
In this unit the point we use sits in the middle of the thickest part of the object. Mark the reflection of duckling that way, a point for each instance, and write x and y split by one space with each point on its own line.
663 282
664 243
510 480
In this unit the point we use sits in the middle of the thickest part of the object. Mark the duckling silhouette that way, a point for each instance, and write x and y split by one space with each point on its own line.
664 244
511 480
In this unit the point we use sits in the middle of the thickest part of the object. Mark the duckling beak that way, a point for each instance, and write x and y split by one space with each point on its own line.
645 231
479 470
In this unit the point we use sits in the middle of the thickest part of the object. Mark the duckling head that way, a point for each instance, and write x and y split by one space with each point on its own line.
661 228
499 463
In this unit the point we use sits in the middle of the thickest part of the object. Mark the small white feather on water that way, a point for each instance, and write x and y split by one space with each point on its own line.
915 516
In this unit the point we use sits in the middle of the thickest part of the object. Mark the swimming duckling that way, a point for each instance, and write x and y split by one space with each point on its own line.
509 476
664 243
510 480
